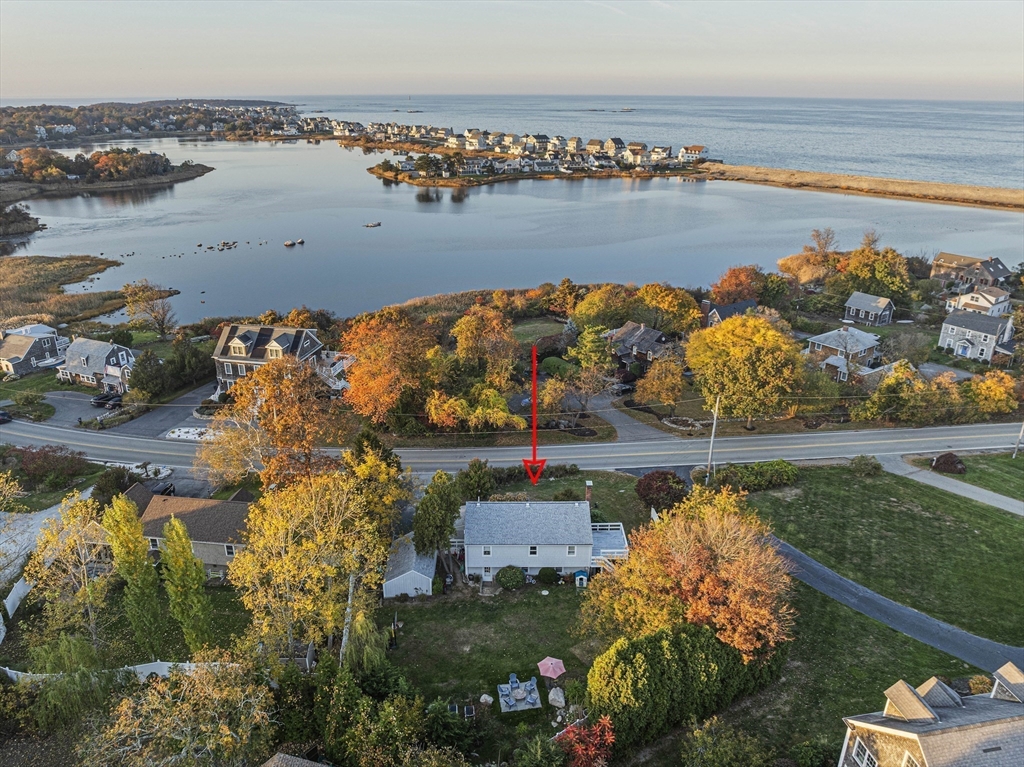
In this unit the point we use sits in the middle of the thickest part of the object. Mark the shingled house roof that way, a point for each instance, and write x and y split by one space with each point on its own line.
15 347
528 523
993 266
296 342
637 335
867 302
977 322
206 519
403 559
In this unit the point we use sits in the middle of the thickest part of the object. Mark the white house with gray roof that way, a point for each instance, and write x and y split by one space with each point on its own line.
535 534
975 336
934 726
408 573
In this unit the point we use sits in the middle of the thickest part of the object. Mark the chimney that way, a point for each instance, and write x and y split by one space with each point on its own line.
590 491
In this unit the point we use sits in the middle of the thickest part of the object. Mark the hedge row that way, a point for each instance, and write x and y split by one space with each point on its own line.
751 477
652 684
510 475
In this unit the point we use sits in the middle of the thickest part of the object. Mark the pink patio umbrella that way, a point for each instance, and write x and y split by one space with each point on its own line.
551 667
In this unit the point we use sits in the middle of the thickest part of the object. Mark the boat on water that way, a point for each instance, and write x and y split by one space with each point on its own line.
300 241
372 225
289 244
626 109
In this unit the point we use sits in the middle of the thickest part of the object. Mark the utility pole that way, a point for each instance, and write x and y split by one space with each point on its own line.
711 447
1016 445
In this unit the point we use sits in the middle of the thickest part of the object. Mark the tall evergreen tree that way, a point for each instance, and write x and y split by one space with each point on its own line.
184 579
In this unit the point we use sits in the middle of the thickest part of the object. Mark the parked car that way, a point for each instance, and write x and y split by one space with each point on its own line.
113 403
100 400
163 488
623 388
5 417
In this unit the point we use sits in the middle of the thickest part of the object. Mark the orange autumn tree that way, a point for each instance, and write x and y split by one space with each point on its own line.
739 283
707 562
390 350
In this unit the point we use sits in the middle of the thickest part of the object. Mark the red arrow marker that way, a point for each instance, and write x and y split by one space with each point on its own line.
534 467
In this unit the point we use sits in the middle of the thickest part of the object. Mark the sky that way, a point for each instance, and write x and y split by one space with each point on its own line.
94 50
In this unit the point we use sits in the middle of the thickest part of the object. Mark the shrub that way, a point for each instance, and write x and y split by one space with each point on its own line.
979 684
53 466
753 477
715 743
510 497
475 481
949 463
548 576
567 494
26 398
122 336
510 578
114 480
661 489
865 466
815 753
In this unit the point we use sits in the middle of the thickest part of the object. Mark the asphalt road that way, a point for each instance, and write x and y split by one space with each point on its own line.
667 451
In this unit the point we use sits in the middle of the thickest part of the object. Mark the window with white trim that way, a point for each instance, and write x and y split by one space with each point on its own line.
487 571
909 761
533 551
241 369
229 550
227 368
273 354
862 756
154 544
570 551
487 551
817 346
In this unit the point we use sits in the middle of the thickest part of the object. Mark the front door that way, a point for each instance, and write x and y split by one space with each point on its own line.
487 575
963 349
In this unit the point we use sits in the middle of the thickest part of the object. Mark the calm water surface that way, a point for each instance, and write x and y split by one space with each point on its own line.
514 234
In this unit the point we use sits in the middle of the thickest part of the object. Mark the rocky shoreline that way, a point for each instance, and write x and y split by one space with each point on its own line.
12 191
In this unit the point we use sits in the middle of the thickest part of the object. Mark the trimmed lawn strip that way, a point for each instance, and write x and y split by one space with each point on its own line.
41 383
41 412
998 473
952 558
461 646
44 499
614 495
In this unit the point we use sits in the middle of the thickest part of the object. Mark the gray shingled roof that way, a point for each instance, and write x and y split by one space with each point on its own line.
867 302
632 334
938 694
846 338
528 523
15 347
206 519
725 311
298 342
94 352
981 323
404 559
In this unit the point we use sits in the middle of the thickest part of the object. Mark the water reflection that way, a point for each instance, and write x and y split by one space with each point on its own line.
429 194
460 194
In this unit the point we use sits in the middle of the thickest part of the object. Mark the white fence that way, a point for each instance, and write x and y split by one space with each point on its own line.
142 671
11 603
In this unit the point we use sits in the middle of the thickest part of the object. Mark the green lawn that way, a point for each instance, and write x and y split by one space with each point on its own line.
528 331
40 383
950 557
459 647
39 412
614 496
998 473
839 664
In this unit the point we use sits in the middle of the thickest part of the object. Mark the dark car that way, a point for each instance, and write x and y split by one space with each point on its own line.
163 488
113 403
100 400
5 417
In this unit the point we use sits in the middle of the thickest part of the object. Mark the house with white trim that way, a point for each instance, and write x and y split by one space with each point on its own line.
693 153
104 365
976 336
843 352
934 726
992 301
241 349
24 349
866 309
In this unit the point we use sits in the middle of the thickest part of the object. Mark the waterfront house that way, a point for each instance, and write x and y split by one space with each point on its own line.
594 146
510 139
964 271
473 166
636 157
661 153
614 147
535 534
408 573
992 301
241 349
544 166
476 142
934 726
635 343
866 309
24 349
843 352
556 142
539 140
455 142
101 364
12 156
693 153
976 336
574 144
712 314
637 146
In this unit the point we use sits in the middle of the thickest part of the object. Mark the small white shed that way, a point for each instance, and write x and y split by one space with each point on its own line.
408 572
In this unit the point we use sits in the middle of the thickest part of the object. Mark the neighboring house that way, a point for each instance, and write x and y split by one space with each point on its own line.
101 364
992 301
243 348
13 156
866 309
637 343
976 336
535 534
712 314
594 146
933 726
455 142
215 527
661 153
408 573
24 349
693 153
614 147
967 270
574 144
636 146
843 352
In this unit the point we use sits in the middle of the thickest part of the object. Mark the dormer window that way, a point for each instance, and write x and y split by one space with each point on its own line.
85 360
238 350
273 354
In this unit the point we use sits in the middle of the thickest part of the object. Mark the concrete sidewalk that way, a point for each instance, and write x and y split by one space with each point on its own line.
980 652
894 464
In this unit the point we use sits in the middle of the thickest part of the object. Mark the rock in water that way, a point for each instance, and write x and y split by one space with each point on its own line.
556 697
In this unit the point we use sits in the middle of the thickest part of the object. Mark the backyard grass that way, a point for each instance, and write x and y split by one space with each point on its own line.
44 499
462 646
528 331
40 383
38 412
950 557
996 472
614 495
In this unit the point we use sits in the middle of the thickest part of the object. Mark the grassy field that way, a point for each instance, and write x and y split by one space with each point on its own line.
461 646
998 473
528 331
950 557
613 495
44 499
32 288
230 619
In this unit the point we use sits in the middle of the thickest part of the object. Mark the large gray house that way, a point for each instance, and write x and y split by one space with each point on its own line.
27 348
975 336
535 534
243 348
101 364
866 309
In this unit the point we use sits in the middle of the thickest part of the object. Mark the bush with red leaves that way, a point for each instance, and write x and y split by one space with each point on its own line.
53 467
661 489
588 746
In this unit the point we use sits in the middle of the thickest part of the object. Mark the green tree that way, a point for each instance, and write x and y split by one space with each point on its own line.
433 525
592 350
609 305
122 337
131 561
475 482
188 363
773 291
111 482
565 297
870 270
717 744
148 375
484 337
148 305
184 580
753 367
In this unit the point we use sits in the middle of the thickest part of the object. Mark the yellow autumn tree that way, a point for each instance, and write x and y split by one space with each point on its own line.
671 310
664 384
484 337
992 393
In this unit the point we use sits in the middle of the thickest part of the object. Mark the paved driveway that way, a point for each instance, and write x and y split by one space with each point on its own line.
932 370
163 418
70 406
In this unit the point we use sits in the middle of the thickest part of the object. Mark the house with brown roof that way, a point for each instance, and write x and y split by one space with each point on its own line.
934 726
241 349
637 343
595 146
965 271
